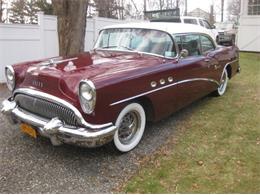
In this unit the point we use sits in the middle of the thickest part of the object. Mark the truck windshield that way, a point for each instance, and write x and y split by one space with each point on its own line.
140 40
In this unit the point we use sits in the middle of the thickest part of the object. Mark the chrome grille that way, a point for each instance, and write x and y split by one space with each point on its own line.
46 109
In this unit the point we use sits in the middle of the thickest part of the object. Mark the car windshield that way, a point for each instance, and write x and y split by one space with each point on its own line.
139 40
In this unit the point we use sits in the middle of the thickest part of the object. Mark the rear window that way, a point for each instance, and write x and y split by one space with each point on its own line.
190 21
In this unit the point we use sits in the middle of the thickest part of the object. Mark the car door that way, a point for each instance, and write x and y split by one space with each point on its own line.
214 65
192 72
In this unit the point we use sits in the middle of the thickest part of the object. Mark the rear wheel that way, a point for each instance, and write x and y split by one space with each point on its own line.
223 84
130 127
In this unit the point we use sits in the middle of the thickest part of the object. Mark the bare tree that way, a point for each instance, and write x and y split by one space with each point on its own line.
31 10
45 6
234 10
71 25
18 14
107 8
164 4
1 10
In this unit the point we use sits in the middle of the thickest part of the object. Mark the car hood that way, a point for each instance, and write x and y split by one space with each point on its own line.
62 75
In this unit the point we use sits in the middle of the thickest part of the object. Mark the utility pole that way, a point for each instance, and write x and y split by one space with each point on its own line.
186 8
222 10
211 20
144 5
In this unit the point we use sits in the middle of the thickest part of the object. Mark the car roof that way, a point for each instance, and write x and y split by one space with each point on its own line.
171 28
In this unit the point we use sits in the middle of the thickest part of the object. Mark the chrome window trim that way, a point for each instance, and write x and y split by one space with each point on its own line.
62 102
199 33
164 87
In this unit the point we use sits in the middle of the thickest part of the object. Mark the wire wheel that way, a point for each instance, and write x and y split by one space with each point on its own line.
131 124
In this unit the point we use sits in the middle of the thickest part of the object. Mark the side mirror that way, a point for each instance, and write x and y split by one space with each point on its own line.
213 26
184 53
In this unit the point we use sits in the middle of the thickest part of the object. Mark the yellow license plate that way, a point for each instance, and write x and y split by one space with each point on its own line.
27 129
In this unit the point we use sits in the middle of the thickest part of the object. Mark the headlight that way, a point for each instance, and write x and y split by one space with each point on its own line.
87 96
10 77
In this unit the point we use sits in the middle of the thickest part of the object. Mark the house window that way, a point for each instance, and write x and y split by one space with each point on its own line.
253 7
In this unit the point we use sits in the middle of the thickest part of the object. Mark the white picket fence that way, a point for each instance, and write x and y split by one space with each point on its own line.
23 42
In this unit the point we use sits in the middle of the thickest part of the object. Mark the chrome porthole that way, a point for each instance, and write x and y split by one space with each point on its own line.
170 79
162 81
153 84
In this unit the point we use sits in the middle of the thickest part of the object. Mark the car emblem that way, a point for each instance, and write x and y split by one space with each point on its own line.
37 83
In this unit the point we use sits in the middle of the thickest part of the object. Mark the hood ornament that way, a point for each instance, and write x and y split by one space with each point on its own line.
54 61
70 66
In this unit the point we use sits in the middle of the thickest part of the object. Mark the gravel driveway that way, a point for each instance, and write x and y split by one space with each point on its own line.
35 166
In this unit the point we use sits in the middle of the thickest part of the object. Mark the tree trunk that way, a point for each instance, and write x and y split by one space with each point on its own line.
1 10
71 25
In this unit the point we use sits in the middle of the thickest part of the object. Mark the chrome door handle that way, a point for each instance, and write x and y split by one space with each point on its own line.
207 60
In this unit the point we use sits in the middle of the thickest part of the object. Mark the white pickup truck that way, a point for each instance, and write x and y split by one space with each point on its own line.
192 20
227 33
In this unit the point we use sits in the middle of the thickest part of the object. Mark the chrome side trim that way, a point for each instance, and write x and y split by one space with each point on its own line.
164 87
52 98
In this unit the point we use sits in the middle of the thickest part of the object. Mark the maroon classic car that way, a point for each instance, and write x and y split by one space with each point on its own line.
135 73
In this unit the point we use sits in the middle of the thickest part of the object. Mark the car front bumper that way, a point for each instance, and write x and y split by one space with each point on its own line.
56 130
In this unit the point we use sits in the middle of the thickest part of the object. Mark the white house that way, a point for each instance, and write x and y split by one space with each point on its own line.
249 26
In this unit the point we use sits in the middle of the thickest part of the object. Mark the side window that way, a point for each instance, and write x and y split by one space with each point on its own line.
162 44
190 21
178 42
191 44
201 23
206 44
206 24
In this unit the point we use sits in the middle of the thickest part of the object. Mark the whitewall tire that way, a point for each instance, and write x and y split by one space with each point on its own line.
130 127
223 84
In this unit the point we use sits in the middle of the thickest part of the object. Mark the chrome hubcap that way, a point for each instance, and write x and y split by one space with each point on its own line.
129 125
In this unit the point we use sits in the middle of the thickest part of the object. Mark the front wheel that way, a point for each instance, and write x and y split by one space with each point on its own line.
130 127
223 84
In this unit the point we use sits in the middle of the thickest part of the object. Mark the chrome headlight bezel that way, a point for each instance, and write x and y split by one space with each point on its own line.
10 77
87 96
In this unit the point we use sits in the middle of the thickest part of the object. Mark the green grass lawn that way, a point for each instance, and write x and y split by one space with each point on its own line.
216 149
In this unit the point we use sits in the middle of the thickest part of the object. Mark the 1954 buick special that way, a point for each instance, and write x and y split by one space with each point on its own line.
136 72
